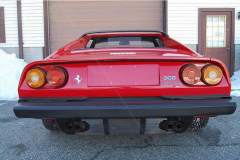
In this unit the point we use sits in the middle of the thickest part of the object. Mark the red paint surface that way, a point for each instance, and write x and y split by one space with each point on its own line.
79 61
72 89
123 75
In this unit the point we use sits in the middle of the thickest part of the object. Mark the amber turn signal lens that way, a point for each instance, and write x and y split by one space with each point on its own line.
190 74
211 74
57 76
36 78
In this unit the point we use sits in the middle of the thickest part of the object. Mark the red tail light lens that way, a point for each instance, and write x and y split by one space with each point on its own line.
57 76
190 74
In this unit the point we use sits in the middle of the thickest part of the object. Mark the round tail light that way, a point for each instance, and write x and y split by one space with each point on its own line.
190 74
211 74
57 76
36 78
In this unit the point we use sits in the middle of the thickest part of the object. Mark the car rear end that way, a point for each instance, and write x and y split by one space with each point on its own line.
122 83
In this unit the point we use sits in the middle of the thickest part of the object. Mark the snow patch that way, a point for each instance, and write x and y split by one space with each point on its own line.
10 71
235 81
235 93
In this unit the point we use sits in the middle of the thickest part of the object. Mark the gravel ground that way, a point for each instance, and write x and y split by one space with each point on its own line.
28 139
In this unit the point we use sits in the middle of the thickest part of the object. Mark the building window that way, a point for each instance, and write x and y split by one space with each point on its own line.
216 31
2 26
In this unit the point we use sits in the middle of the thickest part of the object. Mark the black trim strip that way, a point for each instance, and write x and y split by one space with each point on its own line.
124 31
117 99
52 99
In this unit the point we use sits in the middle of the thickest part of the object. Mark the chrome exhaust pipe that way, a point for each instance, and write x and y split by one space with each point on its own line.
71 126
179 126
166 125
78 127
169 126
68 127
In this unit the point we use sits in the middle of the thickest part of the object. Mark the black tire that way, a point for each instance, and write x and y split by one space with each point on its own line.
50 124
199 123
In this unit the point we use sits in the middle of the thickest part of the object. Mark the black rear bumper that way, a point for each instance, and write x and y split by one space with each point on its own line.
122 108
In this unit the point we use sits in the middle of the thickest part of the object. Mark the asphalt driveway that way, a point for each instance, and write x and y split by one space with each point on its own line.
28 139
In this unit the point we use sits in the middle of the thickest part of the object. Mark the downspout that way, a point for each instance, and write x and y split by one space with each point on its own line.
46 29
165 16
20 36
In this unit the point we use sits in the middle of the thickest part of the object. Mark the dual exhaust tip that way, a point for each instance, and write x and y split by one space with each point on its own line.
171 125
76 127
82 126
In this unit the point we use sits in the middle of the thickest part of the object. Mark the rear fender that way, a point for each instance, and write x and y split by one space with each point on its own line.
24 73
223 67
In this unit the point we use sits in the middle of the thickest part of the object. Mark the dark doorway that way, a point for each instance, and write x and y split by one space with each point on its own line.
216 35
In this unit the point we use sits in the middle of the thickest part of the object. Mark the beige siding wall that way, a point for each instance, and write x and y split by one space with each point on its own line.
11 27
32 54
68 20
183 18
33 33
183 21
32 26
237 57
32 23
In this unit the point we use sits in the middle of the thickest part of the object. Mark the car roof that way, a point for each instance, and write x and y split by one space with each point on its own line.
117 31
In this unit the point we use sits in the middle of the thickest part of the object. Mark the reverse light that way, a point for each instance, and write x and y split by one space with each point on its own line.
211 74
190 74
36 78
57 76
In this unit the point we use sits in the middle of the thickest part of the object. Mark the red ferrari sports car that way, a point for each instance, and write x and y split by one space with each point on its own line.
124 75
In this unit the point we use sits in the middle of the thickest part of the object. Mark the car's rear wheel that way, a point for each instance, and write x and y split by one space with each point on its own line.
199 123
50 124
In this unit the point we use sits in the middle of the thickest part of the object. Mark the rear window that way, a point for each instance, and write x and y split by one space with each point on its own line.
111 42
